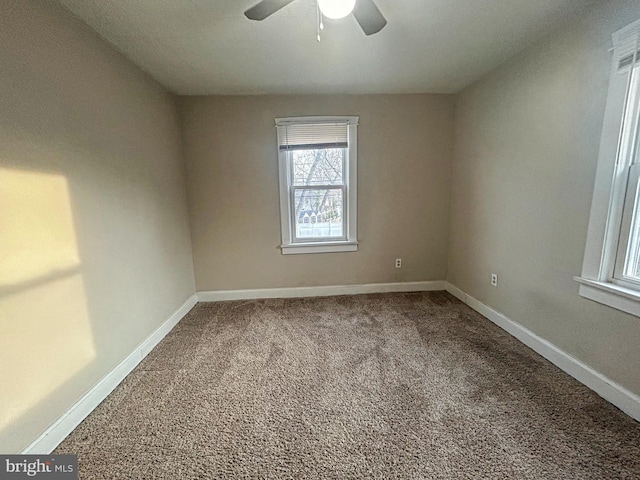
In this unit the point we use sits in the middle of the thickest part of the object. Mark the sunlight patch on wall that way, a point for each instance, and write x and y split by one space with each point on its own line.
46 334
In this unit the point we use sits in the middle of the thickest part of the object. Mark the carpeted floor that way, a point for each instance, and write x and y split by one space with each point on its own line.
370 386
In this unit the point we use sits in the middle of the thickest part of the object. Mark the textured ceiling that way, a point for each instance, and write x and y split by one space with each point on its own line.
429 46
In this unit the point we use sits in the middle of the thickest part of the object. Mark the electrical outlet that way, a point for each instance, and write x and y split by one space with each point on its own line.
398 263
494 279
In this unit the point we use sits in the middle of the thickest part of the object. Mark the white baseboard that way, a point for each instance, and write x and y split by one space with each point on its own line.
69 420
611 391
324 291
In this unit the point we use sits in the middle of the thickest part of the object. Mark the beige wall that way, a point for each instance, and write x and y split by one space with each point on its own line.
94 241
526 147
404 161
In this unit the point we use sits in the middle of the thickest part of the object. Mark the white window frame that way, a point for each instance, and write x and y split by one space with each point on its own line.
616 184
347 243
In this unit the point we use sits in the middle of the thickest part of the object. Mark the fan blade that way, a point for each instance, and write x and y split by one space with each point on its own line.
263 9
369 17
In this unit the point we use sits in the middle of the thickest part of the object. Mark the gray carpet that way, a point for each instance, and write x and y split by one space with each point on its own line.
370 386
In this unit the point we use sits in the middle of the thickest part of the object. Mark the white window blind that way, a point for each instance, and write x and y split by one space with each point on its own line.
626 44
313 136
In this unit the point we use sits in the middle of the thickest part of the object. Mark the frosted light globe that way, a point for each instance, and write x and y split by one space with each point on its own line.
336 8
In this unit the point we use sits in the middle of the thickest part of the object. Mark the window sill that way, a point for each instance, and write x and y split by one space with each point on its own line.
610 294
319 247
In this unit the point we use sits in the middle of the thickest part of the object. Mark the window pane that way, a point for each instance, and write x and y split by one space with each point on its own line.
319 213
318 167
632 262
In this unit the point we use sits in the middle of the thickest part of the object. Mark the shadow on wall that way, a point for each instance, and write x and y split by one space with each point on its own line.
46 333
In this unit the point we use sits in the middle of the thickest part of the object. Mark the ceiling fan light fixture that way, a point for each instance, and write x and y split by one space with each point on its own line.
336 9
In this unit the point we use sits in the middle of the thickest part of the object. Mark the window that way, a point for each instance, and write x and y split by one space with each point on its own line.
611 268
317 158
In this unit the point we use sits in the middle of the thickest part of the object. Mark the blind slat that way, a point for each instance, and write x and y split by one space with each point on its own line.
625 60
626 45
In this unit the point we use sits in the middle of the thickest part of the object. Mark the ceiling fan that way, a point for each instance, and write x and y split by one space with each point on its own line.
365 12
